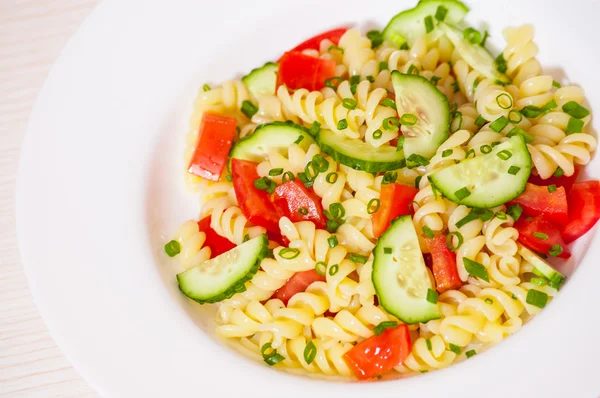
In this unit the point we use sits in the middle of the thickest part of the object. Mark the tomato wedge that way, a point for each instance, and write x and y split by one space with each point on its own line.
378 354
297 70
214 143
217 243
562 181
444 267
394 201
584 209
538 200
298 203
542 235
297 283
253 202
314 42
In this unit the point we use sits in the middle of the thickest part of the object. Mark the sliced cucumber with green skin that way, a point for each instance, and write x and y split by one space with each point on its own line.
542 266
358 154
489 180
261 81
475 55
416 96
410 24
225 275
271 136
400 276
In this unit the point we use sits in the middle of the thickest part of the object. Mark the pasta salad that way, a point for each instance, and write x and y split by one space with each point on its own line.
395 201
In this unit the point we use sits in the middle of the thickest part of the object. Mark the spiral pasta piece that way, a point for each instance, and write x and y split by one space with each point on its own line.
520 53
571 150
295 161
191 241
422 358
500 236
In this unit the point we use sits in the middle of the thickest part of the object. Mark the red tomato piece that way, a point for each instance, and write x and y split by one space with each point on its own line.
315 42
297 283
297 70
562 181
378 354
254 203
217 243
298 203
540 234
538 200
444 267
394 201
584 209
214 143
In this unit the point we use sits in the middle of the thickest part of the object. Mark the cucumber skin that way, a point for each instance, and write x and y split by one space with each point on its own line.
357 164
248 79
238 286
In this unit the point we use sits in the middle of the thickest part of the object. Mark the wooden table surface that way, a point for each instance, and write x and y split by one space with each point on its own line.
32 35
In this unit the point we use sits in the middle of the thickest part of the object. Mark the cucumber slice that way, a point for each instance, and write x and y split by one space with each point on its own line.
221 277
474 54
489 180
416 95
266 137
542 266
400 276
358 154
261 81
410 24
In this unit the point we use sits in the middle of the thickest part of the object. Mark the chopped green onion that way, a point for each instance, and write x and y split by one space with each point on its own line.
574 126
454 348
447 153
331 178
314 128
387 250
472 35
428 23
470 353
310 172
428 232
456 87
473 215
531 111
334 269
508 102
321 268
299 139
390 177
538 281
342 124
373 206
513 170
408 119
319 163
334 47
276 172
416 160
440 13
486 34
456 126
289 253
556 84
498 124
418 181
337 210
480 121
552 188
287 176
462 193
504 154
555 250
435 80
501 64
541 235
349 103
489 301
246 238
514 211
229 177
549 106
412 70
536 298
519 131
449 242
469 153
377 330
377 134
572 108
332 225
485 149
390 103
476 84
500 215
333 82
429 346
476 269
206 87
485 214
390 123
354 79
265 184
249 109
271 358
303 211
172 248
310 353
358 258
376 38
432 296
559 172
516 118
404 45
383 65
332 241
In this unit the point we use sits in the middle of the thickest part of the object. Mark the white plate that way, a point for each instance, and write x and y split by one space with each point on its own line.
100 190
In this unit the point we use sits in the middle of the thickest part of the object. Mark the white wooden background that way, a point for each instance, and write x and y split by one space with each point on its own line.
32 35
